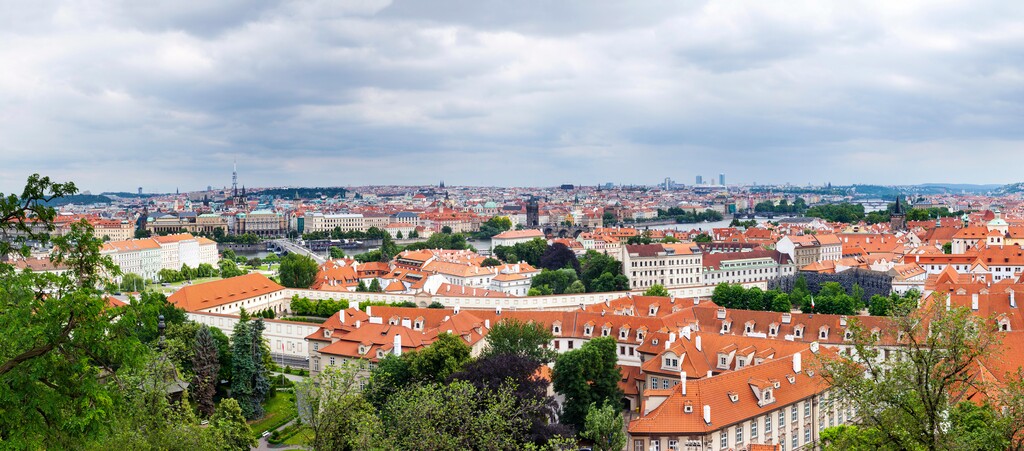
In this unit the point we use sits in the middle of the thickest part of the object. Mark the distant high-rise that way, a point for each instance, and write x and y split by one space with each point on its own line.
140 190
234 180
721 179
700 180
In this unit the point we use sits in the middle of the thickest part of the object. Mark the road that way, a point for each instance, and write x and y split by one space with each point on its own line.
296 249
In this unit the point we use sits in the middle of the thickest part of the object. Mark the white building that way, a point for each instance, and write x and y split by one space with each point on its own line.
142 257
669 265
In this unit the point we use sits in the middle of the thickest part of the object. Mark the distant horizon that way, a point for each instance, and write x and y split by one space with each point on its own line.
435 185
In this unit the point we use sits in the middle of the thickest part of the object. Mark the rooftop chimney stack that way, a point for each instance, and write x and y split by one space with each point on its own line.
697 343
682 381
686 332
707 414
487 323
341 316
398 345
797 362
974 301
1013 301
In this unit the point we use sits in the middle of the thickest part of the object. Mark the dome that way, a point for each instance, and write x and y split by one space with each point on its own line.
490 204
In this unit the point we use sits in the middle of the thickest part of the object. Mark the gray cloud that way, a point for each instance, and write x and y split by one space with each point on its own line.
118 94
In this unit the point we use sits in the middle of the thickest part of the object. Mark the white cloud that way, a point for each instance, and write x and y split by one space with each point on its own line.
115 94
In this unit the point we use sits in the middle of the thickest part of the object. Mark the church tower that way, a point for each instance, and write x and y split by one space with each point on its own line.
897 219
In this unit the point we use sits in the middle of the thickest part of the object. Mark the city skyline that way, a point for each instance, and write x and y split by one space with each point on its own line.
115 96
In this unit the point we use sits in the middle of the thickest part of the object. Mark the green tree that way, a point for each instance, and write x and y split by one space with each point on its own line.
228 254
576 287
514 337
336 414
556 280
702 238
947 248
336 252
398 235
490 261
445 356
206 270
229 268
455 416
909 396
249 383
132 282
206 365
604 426
229 426
656 290
58 337
297 271
446 230
375 286
392 374
586 376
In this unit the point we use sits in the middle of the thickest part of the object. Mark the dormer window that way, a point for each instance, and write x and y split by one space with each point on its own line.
876 334
688 407
380 353
734 397
653 311
726 326
749 327
773 330
775 384
798 331
587 330
556 329
791 378
1004 325
823 332
327 333
418 325
847 334
606 331
623 333
362 349
671 363
741 362
394 321
723 361
639 335
767 396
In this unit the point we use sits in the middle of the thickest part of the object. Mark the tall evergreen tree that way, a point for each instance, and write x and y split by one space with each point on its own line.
260 357
206 364
243 368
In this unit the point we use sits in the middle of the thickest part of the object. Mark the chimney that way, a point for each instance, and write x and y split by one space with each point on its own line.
341 315
797 362
697 343
497 310
398 345
948 302
456 310
709 373
672 337
707 414
1013 301
682 381
358 323
974 301
487 323
368 307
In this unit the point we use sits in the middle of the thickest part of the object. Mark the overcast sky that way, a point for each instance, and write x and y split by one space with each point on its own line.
165 94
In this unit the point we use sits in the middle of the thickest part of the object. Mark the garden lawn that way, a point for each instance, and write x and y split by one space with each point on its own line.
302 437
279 410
